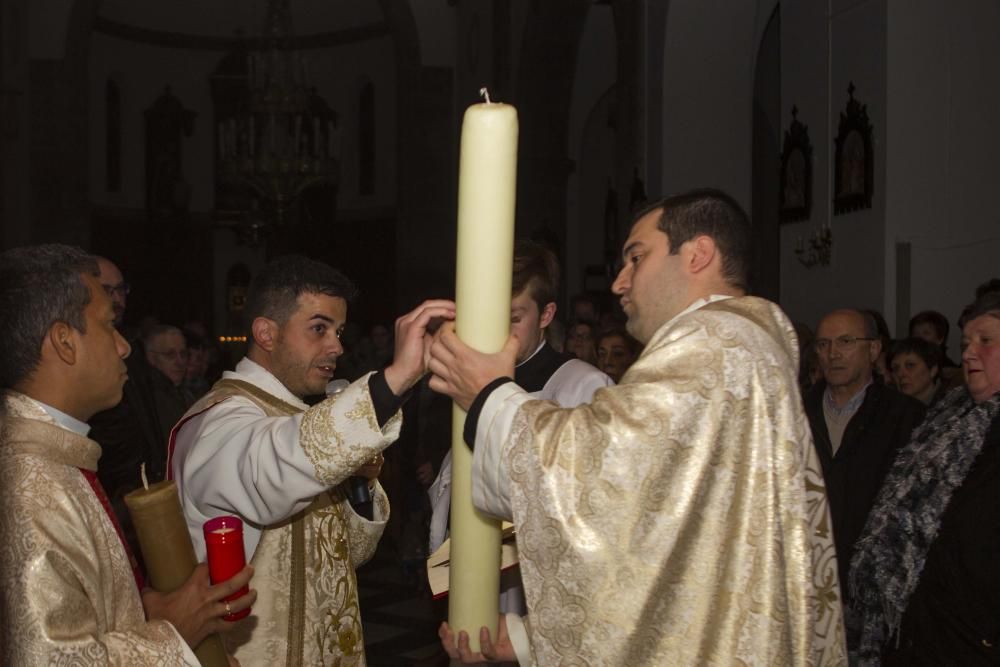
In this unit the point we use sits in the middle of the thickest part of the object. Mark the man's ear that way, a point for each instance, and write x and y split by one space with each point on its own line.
875 349
62 340
265 333
703 251
547 315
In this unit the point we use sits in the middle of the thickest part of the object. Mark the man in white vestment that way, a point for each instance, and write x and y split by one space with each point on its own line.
69 589
253 448
679 518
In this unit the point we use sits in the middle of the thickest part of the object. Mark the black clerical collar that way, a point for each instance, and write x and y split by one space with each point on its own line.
532 374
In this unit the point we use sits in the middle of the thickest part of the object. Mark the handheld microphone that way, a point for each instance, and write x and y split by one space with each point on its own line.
358 493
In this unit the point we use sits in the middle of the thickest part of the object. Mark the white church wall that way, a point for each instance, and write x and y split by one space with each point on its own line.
142 73
143 70
591 146
823 49
708 64
943 68
48 23
436 23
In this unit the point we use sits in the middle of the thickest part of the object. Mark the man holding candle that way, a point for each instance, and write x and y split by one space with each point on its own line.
69 591
679 517
253 448
539 369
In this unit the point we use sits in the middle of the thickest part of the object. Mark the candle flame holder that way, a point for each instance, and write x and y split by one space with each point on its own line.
819 249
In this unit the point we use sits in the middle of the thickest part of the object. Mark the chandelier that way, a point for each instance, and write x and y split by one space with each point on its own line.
282 138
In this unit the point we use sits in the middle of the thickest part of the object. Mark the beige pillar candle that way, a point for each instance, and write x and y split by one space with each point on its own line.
486 196
168 552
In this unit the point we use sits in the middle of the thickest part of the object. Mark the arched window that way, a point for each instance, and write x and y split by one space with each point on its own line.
366 139
113 133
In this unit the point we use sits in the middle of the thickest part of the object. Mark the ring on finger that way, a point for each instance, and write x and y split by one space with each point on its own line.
228 610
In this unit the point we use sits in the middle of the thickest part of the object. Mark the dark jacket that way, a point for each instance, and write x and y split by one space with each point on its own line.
952 617
880 427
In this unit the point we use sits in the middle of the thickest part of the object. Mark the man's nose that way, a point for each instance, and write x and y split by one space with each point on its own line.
621 282
336 347
124 349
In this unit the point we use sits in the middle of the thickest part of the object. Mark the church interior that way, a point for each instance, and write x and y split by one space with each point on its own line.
124 130
192 141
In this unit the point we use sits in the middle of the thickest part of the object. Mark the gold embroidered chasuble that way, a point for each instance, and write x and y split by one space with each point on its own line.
307 610
67 588
680 518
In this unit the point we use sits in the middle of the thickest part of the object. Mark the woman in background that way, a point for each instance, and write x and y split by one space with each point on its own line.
616 351
916 370
924 573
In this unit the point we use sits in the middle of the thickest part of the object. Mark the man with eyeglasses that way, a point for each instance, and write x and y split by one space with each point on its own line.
129 433
858 424
114 284
167 354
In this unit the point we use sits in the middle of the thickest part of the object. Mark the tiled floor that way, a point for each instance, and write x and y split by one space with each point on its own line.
400 622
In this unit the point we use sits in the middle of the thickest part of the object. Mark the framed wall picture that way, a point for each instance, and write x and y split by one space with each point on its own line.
796 172
853 175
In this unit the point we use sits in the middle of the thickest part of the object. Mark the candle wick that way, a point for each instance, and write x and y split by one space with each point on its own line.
142 473
485 93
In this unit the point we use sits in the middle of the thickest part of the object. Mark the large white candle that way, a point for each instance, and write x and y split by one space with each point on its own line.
486 192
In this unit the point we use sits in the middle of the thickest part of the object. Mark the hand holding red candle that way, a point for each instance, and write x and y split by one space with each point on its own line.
226 556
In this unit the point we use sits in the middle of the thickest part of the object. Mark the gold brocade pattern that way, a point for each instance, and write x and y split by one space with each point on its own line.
681 517
328 434
307 607
67 588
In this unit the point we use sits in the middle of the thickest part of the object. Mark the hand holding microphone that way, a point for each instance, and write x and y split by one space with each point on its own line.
358 493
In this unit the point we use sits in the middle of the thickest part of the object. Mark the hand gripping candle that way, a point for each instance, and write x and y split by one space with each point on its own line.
226 557
486 196
167 550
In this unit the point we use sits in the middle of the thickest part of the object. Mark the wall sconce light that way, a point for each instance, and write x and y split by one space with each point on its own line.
818 250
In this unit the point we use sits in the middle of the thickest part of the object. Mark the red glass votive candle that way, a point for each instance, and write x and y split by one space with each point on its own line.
226 557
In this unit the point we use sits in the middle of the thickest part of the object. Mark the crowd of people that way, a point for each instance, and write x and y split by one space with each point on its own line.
693 479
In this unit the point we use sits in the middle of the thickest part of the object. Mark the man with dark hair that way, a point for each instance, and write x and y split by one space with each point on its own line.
677 518
252 447
712 213
69 592
933 327
858 425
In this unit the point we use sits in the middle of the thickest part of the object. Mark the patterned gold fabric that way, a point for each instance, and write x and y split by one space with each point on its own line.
67 589
307 600
680 518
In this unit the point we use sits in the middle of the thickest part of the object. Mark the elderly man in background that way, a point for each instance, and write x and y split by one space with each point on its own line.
167 355
858 424
132 432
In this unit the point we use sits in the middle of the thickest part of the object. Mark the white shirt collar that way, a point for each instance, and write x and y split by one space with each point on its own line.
537 350
252 372
62 419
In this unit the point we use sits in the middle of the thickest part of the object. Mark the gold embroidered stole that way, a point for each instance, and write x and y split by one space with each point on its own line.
315 539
